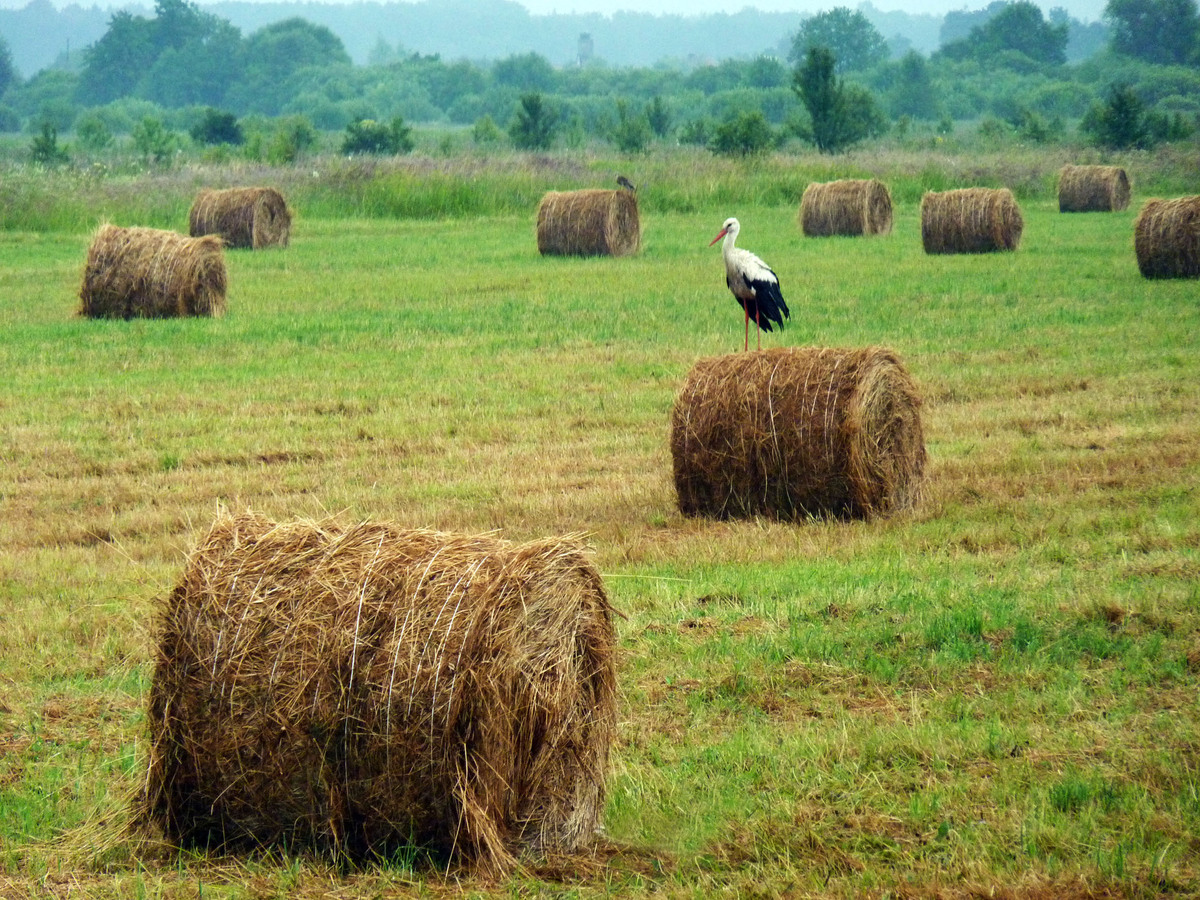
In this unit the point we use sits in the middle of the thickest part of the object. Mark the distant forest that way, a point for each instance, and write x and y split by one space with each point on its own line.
274 79
39 35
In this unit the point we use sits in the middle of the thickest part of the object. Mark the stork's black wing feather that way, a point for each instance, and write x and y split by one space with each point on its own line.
767 305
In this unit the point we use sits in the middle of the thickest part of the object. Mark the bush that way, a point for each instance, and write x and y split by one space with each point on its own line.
486 132
93 132
369 136
217 127
748 134
9 120
153 141
45 150
633 132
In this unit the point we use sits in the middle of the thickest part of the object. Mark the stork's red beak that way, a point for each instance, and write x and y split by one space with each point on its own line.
718 237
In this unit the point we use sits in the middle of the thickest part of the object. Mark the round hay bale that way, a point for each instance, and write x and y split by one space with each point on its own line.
149 273
253 217
1093 189
588 223
791 432
359 689
849 207
970 220
1166 237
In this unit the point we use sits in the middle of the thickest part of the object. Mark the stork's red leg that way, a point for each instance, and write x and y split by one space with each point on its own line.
747 344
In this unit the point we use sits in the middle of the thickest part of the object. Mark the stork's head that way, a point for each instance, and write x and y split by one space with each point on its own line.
730 228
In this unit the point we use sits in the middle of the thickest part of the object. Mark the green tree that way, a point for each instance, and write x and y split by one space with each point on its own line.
1166 32
1119 122
912 92
8 72
746 134
275 55
658 115
841 114
45 149
528 72
116 63
632 132
1017 26
533 124
852 40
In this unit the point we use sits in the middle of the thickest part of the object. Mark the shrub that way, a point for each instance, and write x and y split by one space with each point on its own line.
45 150
369 136
217 127
632 133
748 134
93 132
153 141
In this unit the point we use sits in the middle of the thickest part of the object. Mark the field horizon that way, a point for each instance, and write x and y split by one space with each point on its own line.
995 694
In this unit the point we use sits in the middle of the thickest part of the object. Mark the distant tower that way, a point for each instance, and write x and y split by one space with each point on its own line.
586 49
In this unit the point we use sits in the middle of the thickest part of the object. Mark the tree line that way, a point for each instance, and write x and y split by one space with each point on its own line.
836 82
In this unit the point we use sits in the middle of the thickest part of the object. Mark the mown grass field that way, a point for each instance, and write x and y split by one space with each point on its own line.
999 692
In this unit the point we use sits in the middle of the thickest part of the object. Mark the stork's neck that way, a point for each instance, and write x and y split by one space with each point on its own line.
727 245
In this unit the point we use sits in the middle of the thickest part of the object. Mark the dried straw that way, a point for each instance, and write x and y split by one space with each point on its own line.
358 689
148 273
254 217
1166 237
1093 189
588 223
970 220
790 432
848 207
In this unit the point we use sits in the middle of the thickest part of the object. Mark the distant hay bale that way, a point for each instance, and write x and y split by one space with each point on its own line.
1093 189
253 217
848 207
148 273
588 223
970 220
358 689
1166 237
790 432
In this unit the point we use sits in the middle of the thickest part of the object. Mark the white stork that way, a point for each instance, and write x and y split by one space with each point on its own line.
752 282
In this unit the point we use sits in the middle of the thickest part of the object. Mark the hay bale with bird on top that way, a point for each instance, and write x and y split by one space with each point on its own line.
970 220
849 207
590 222
253 217
355 690
793 432
1166 238
151 273
1092 189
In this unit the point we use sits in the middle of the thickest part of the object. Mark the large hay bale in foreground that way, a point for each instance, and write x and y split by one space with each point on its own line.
352 689
1166 237
149 273
1092 189
970 220
253 217
848 207
588 223
791 432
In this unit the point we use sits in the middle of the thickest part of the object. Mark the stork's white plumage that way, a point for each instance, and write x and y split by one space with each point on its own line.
753 283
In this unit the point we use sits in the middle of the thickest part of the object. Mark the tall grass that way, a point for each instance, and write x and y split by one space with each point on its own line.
679 180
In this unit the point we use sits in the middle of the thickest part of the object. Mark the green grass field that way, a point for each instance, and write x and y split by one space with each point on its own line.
999 692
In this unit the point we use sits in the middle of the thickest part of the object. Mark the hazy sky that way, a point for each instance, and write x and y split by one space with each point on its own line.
1087 10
